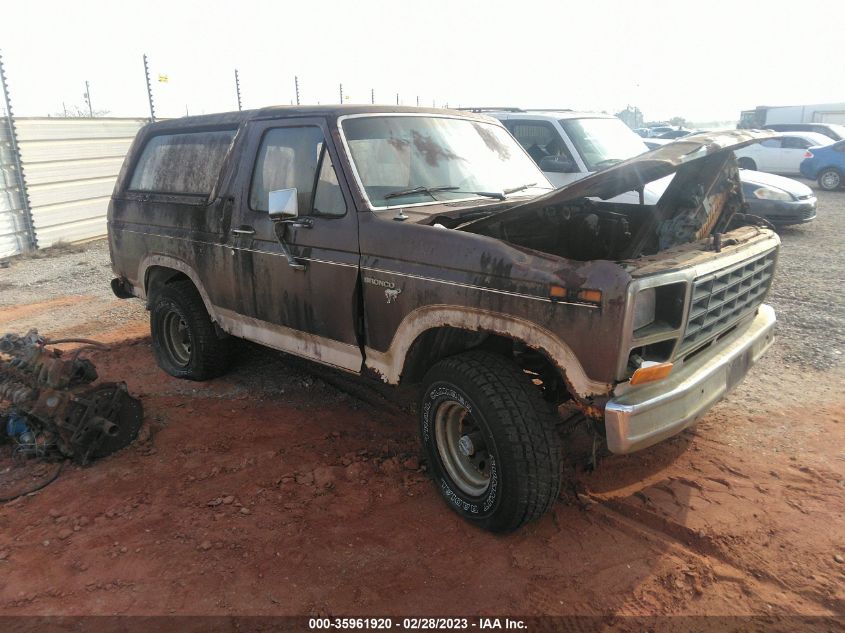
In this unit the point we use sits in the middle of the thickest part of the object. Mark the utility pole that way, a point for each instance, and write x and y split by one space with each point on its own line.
397 98
296 84
149 89
88 99
238 88
341 94
418 101
373 96
29 232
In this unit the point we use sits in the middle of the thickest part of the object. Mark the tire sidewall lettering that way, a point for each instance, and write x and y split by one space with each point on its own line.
474 506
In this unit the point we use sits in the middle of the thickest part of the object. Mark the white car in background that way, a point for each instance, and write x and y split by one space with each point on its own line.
781 155
570 145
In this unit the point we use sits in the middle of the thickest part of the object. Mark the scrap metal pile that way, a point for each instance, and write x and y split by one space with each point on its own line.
50 408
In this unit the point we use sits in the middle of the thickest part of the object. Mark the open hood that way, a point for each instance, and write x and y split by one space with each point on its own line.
702 199
636 172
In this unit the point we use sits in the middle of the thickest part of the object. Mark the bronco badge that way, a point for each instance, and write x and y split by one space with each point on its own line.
391 292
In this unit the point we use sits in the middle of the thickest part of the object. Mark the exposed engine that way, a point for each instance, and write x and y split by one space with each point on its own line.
48 404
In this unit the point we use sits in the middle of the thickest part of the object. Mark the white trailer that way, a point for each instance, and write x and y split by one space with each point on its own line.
810 113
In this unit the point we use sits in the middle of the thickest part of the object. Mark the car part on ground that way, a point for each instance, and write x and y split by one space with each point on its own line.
51 407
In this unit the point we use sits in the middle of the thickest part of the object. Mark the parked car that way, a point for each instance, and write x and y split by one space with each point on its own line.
678 133
781 155
654 143
424 246
554 139
826 165
782 201
831 130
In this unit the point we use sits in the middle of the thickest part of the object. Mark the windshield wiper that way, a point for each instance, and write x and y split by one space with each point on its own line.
520 188
453 189
421 189
607 162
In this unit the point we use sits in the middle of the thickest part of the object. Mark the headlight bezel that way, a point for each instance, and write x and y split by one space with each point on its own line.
644 308
772 194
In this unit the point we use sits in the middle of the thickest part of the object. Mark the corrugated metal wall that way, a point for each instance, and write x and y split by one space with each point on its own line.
71 166
14 237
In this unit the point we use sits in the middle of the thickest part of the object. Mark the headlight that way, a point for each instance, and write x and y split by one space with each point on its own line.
767 193
644 303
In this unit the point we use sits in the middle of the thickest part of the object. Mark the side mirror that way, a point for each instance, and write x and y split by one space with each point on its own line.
557 165
283 205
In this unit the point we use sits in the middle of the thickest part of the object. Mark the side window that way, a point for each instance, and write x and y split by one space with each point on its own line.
328 198
539 139
187 163
288 158
795 142
771 143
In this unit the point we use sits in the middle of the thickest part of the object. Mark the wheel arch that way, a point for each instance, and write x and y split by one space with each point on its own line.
156 271
434 332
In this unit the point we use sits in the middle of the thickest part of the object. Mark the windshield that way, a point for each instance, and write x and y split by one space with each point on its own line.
603 142
403 160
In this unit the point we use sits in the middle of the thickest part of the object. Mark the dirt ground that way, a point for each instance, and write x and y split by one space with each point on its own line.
284 488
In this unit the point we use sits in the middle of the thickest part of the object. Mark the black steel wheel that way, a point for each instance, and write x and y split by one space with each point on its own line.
490 440
185 341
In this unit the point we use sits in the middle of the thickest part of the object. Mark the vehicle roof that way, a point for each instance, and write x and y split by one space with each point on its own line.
543 114
807 125
331 111
812 136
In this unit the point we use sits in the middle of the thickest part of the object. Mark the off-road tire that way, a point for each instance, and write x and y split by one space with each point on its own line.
208 355
826 179
747 163
518 428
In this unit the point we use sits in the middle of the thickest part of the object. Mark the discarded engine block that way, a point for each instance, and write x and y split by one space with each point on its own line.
50 405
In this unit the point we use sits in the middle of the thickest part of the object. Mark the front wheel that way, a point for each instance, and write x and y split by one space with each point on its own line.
830 179
490 440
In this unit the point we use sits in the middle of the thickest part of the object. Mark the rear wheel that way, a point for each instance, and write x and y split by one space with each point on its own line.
747 163
830 179
490 440
185 341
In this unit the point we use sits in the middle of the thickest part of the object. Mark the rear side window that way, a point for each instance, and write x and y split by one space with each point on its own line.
795 142
187 163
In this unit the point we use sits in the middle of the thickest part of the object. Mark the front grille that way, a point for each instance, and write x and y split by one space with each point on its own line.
722 298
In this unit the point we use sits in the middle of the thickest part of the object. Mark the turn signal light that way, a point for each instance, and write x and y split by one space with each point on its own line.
651 373
590 296
808 154
559 293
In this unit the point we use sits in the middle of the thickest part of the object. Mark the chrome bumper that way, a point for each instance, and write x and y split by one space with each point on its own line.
642 416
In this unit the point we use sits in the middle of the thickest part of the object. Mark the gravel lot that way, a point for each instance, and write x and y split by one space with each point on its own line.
285 489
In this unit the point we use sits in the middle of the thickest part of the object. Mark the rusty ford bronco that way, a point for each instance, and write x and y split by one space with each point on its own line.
424 246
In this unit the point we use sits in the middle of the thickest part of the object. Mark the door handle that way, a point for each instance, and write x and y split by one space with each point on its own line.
303 223
244 230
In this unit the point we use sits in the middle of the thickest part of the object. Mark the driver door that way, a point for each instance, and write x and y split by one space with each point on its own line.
306 306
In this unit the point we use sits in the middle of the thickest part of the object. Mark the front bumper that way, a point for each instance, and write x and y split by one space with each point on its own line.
645 415
782 213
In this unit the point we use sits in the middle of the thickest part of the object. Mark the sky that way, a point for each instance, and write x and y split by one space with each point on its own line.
702 60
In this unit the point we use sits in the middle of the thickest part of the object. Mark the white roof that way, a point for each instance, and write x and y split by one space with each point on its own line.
815 137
